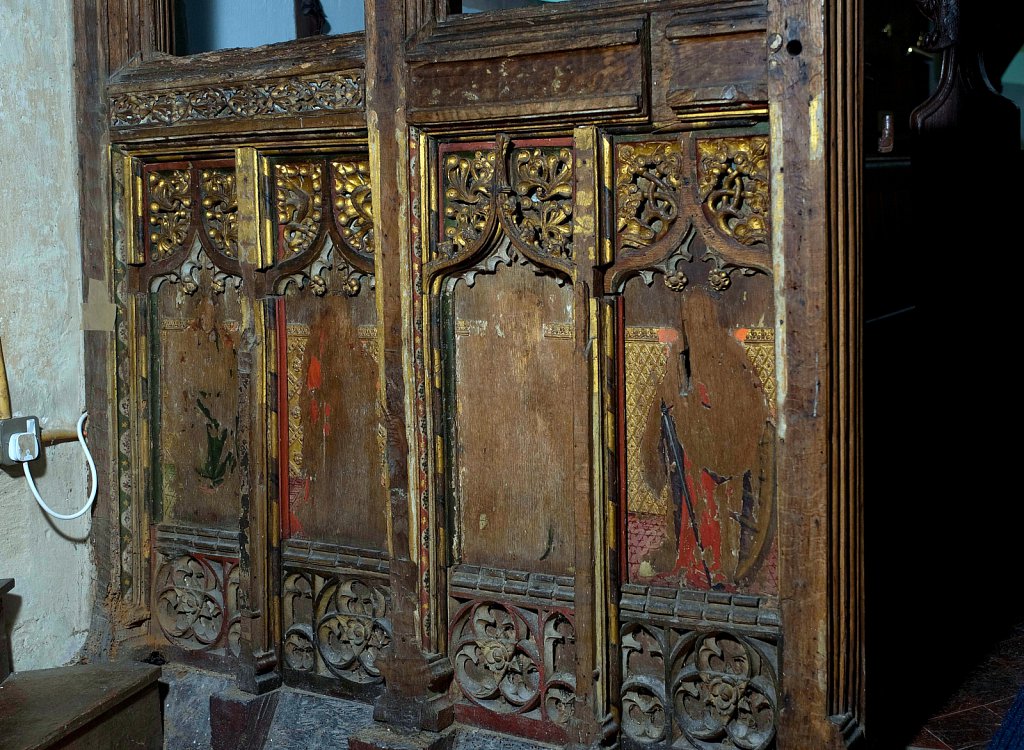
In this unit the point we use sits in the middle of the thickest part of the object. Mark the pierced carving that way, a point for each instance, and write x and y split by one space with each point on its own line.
353 205
190 273
538 206
316 277
724 694
718 690
291 96
170 212
733 187
468 189
647 182
351 629
335 626
196 601
220 210
299 200
514 660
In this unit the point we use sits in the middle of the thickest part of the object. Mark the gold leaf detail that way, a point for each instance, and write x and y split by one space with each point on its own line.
540 204
646 366
648 177
299 204
220 210
353 205
170 211
733 186
467 186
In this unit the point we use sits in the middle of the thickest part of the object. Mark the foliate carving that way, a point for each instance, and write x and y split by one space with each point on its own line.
220 210
353 207
724 694
299 198
298 336
513 659
196 601
539 204
170 211
293 96
733 187
468 189
316 276
191 270
703 691
335 626
647 181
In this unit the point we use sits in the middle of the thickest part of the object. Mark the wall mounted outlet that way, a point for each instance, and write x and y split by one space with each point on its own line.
20 440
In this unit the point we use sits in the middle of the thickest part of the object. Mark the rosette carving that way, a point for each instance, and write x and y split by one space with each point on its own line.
351 630
724 693
195 601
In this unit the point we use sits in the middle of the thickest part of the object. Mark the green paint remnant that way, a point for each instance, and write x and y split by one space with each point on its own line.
217 464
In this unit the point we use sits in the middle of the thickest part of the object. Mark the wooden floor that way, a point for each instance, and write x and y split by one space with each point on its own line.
971 716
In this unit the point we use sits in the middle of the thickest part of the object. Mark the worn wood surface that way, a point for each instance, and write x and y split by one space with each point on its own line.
87 707
527 500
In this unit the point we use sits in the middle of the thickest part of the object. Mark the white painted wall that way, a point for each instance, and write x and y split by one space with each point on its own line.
40 322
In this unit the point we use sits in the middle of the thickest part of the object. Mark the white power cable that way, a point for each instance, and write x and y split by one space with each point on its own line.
92 470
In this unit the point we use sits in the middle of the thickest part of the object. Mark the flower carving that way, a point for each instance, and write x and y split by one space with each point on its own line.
190 603
352 632
724 695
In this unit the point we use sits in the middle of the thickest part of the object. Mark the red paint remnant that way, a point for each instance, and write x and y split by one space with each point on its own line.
711 526
646 534
705 397
314 411
298 493
668 335
741 334
314 379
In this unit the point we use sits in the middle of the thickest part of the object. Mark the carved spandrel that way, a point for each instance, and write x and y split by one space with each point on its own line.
220 210
648 178
298 196
467 191
169 211
733 186
538 203
353 204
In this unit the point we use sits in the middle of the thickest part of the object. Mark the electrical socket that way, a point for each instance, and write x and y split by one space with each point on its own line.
20 439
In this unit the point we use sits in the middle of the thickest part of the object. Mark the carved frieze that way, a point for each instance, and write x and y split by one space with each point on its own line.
324 93
706 690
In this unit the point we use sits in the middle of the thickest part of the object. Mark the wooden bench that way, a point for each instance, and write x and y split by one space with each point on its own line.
85 707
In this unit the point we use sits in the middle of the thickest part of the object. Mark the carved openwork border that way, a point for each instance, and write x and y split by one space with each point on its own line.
330 92
515 665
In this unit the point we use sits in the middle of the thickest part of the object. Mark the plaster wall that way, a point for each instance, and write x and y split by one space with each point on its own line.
40 326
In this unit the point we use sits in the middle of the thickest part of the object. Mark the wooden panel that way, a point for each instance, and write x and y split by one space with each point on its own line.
605 80
334 455
513 351
195 351
699 380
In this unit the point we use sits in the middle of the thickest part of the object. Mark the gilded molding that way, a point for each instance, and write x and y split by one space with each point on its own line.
330 92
